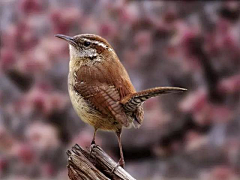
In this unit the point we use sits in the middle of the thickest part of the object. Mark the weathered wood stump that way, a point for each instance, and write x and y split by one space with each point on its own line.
96 165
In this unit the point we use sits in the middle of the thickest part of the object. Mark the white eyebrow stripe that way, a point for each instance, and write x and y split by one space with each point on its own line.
98 43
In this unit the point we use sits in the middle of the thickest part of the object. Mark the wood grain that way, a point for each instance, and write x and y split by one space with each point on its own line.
96 165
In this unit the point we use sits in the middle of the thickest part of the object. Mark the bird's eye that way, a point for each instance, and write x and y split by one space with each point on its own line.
86 43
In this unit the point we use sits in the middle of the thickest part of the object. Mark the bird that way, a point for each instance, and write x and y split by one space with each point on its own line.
100 88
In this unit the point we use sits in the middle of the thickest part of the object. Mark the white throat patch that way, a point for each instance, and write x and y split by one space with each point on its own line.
87 53
81 54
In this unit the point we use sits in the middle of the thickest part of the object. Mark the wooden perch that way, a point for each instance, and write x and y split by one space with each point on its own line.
96 165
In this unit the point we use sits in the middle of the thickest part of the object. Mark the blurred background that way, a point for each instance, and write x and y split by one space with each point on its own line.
192 44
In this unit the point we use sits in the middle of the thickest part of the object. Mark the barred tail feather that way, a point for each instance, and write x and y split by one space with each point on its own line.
132 101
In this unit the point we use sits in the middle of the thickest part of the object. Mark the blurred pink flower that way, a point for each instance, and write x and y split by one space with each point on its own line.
222 173
8 58
64 19
143 41
40 98
54 48
194 101
33 62
107 30
154 114
48 170
131 58
194 141
9 38
3 164
25 153
230 85
42 136
30 6
26 37
7 141
220 114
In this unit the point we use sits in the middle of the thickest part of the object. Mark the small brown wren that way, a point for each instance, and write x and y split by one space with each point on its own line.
100 89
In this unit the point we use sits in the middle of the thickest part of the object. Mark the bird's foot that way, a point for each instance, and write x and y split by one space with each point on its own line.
93 145
120 163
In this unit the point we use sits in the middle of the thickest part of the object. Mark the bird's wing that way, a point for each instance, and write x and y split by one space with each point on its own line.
104 98
132 101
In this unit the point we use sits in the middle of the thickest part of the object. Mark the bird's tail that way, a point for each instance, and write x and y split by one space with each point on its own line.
132 101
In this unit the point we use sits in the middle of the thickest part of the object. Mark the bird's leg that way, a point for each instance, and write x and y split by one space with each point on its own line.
121 160
93 143
94 135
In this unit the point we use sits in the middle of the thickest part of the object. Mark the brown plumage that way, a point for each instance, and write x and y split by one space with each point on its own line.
100 89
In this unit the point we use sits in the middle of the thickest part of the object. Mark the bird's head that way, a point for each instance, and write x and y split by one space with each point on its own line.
89 48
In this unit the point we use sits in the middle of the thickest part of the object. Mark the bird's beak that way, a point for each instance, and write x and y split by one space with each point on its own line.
69 39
